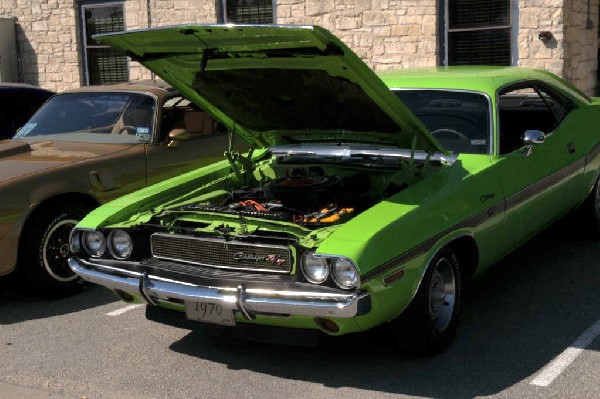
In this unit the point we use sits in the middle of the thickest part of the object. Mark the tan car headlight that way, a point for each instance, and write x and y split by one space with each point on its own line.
94 243
75 241
120 244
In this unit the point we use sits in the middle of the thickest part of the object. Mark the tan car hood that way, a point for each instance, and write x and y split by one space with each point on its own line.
19 158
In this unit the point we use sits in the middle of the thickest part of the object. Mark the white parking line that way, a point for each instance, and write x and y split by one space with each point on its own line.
562 361
119 312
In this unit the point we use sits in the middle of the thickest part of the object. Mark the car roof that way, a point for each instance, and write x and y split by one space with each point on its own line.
158 88
486 79
25 86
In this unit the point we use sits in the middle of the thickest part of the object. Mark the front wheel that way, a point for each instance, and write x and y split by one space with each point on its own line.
45 250
430 321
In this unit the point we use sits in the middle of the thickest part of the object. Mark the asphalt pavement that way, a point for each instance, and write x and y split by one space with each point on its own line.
528 313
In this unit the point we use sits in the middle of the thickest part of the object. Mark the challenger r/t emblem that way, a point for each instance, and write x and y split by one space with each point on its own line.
273 259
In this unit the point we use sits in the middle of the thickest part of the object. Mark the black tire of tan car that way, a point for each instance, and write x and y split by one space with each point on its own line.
44 251
429 323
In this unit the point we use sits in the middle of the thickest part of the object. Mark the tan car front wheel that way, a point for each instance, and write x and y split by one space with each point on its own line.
45 251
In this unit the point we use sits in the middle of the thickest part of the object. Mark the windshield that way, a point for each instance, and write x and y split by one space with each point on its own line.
93 117
459 120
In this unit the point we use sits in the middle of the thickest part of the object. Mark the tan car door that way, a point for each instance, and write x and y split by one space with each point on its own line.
119 173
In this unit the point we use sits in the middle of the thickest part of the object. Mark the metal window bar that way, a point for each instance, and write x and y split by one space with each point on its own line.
248 11
478 32
103 65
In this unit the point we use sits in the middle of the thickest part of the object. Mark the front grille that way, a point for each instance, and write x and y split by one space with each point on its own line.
219 253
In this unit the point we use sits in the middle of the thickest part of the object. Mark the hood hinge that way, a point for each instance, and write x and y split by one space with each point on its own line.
241 166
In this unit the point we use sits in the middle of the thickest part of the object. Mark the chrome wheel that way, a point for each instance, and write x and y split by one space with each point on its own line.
44 250
442 294
429 323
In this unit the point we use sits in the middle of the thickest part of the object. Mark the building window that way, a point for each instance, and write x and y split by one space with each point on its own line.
477 32
247 11
103 65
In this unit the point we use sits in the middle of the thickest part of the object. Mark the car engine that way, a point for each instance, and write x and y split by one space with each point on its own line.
304 196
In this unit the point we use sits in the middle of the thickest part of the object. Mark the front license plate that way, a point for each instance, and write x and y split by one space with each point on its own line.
209 312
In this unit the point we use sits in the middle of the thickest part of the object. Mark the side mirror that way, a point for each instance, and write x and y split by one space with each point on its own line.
533 137
176 135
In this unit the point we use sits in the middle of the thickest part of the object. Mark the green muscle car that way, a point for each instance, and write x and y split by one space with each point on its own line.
366 199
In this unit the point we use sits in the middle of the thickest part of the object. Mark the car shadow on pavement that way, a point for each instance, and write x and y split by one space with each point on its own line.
16 306
515 319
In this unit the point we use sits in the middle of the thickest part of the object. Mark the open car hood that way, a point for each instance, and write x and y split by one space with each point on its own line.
275 85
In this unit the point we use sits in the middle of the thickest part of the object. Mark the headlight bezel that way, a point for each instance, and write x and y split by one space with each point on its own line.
75 243
112 246
85 234
310 256
335 271
332 277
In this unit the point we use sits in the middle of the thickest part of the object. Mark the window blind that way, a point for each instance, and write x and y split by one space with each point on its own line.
249 11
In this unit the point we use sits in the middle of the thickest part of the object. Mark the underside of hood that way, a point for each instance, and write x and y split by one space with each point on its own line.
277 84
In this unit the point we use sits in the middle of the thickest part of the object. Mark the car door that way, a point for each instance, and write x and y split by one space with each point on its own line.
540 181
199 143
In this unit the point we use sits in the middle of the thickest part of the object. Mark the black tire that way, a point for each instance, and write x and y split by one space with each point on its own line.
44 251
429 323
591 210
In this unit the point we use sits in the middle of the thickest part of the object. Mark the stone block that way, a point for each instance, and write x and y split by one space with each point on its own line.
406 30
397 47
318 7
39 26
348 21
379 18
284 11
381 31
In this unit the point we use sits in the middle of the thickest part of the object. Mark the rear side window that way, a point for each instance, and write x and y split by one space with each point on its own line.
459 120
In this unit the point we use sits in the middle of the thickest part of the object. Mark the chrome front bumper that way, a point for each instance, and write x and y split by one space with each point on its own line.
250 301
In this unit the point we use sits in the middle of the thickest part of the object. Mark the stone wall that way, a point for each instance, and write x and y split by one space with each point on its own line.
581 51
47 40
536 16
163 13
384 33
48 35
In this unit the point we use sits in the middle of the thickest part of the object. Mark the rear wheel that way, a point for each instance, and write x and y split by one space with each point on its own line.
45 251
593 208
429 324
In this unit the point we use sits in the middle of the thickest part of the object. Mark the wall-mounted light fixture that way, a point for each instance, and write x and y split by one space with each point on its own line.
545 35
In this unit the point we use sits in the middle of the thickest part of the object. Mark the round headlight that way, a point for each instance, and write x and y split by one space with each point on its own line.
120 244
94 243
316 269
345 274
75 241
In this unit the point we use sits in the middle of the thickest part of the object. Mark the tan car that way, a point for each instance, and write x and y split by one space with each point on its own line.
83 148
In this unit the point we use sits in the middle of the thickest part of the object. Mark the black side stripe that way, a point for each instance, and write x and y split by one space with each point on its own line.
481 217
593 154
541 185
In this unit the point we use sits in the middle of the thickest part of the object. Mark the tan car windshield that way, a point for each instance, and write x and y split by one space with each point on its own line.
93 117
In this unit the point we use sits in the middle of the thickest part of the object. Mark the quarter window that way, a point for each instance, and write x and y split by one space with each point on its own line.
477 32
247 11
103 65
528 107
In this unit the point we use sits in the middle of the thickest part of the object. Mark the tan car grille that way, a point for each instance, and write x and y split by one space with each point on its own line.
222 254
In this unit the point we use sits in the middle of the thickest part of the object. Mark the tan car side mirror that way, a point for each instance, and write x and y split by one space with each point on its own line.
176 135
